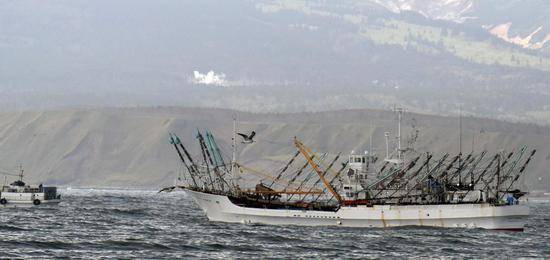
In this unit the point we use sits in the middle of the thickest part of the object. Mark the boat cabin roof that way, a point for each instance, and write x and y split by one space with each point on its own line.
18 183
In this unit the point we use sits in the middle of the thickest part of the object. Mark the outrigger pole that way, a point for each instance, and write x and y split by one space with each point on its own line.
446 171
400 173
193 166
308 176
416 173
298 173
433 170
318 180
471 172
204 157
522 169
234 157
498 173
344 165
265 175
474 162
482 174
215 152
514 164
174 142
284 169
462 164
302 148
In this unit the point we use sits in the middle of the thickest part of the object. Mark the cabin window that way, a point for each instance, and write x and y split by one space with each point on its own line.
363 159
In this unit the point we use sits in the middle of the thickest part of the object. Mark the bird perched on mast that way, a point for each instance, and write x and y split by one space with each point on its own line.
247 139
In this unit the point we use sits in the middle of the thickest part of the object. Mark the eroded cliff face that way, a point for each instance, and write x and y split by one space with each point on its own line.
130 148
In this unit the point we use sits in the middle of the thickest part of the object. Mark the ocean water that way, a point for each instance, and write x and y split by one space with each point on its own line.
143 224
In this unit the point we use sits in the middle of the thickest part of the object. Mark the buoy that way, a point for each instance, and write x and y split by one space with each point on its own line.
36 202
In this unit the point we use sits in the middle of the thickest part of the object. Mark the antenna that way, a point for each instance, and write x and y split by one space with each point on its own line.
387 135
399 111
234 158
460 143
371 133
460 129
21 172
234 139
473 140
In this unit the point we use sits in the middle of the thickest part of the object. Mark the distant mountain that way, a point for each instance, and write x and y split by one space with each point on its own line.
524 23
278 56
453 10
419 55
130 148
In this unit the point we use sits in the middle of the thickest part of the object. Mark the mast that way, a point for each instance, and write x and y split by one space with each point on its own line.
370 138
387 135
21 172
234 139
460 144
400 160
399 112
498 179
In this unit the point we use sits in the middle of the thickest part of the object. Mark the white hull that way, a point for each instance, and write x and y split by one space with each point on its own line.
24 199
513 217
28 204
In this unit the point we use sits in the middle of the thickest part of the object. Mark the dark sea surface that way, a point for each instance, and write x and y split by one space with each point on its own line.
143 224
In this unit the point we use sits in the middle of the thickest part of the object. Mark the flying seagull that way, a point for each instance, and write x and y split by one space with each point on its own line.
248 139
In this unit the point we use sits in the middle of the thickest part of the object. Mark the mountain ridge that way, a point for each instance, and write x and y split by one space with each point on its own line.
128 147
271 56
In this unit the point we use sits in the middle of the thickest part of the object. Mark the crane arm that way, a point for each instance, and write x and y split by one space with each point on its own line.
304 151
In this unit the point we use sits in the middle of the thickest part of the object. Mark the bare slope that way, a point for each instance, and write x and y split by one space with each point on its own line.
129 147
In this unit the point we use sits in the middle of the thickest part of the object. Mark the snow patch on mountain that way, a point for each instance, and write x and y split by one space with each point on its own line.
460 11
502 31
453 10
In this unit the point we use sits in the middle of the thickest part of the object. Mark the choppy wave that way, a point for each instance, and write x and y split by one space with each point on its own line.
143 224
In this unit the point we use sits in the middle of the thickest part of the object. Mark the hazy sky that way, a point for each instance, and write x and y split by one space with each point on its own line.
271 56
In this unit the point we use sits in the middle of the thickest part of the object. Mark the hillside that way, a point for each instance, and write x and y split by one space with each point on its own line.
279 55
128 147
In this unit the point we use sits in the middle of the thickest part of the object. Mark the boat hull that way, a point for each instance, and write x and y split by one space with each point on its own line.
28 204
509 217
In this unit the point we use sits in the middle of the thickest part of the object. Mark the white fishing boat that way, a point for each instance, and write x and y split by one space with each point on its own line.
473 191
19 194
